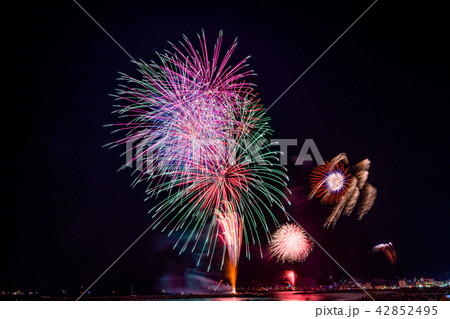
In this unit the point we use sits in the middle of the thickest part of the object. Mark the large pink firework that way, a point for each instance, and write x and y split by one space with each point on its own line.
199 137
290 243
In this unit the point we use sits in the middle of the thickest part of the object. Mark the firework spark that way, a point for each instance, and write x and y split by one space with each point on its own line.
199 137
231 231
333 185
290 277
290 244
388 250
230 225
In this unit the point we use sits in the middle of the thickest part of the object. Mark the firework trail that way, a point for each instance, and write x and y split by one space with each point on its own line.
231 231
353 195
290 244
333 185
290 277
368 199
218 285
388 250
199 137
230 225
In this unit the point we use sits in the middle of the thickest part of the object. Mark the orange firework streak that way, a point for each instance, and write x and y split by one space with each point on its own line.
329 182
388 250
230 224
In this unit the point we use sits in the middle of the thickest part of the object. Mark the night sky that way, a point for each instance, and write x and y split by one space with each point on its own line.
379 93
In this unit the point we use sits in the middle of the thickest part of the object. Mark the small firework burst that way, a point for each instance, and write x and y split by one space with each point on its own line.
330 182
388 250
290 243
333 185
290 277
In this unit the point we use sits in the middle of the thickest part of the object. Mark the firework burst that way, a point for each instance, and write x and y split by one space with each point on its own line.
199 137
290 277
333 185
290 243
388 250
329 182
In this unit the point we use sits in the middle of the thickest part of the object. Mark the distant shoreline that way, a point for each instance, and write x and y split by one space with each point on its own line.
385 294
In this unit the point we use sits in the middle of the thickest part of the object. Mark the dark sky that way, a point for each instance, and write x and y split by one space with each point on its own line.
380 93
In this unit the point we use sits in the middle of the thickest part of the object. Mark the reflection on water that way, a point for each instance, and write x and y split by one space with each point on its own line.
330 296
295 296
